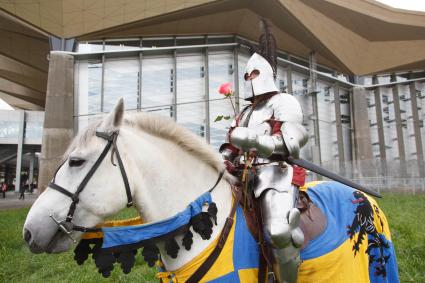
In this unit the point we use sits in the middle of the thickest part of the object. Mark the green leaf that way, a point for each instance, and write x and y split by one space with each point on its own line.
226 117
218 118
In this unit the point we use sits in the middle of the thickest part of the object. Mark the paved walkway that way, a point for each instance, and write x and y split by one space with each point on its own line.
12 200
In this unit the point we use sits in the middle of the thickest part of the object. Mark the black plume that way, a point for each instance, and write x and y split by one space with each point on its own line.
268 45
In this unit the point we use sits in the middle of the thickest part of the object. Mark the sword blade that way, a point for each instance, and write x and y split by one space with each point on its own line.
328 174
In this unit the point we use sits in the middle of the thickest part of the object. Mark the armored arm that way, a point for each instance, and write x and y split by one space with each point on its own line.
286 139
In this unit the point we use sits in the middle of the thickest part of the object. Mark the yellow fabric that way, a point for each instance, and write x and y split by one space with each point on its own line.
248 275
340 265
112 223
333 267
222 266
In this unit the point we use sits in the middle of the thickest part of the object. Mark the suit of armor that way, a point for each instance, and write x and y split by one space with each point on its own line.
269 129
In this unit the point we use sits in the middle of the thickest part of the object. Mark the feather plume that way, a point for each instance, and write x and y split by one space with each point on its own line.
268 45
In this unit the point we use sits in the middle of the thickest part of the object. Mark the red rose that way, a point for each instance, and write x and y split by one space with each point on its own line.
226 89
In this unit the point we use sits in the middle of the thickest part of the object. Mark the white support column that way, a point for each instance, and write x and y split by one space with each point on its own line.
19 151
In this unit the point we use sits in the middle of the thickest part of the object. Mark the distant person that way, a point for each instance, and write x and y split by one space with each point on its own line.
4 189
22 191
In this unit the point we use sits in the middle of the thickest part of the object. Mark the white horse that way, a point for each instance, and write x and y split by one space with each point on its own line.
167 167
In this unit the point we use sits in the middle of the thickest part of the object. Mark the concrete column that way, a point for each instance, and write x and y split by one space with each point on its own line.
19 151
31 169
362 139
380 125
338 124
417 129
399 128
58 129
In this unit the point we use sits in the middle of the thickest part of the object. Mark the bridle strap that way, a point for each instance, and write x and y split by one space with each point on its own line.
111 142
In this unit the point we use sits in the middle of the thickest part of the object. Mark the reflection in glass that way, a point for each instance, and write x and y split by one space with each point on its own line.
190 78
122 45
89 86
90 47
157 82
192 117
121 80
221 71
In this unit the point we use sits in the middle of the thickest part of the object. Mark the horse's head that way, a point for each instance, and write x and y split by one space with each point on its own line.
103 195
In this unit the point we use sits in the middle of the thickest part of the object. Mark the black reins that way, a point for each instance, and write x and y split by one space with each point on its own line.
66 225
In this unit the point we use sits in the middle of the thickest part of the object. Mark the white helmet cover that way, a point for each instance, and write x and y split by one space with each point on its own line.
264 82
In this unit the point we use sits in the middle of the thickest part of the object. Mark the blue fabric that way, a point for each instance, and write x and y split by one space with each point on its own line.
245 248
126 235
328 196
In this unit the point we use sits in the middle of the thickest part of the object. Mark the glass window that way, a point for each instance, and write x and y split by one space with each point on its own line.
157 82
192 117
121 80
327 128
221 70
94 46
122 45
89 85
190 78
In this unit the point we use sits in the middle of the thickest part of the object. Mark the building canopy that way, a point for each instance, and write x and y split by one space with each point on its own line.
353 37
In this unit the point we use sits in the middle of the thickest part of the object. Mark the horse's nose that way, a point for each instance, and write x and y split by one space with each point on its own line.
27 236
31 243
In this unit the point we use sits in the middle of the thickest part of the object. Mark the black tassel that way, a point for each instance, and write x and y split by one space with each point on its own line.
105 263
202 225
127 260
172 247
212 211
150 254
188 240
82 251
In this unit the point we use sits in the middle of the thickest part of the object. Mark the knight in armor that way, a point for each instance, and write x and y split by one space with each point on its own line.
266 131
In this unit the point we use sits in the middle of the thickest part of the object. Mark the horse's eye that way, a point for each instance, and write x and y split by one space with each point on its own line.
75 162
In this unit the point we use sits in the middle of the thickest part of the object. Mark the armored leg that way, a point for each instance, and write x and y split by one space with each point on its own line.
281 224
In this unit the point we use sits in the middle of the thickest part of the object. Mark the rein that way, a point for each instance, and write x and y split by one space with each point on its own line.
66 225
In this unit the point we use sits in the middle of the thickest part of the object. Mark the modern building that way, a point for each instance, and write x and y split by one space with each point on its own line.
357 69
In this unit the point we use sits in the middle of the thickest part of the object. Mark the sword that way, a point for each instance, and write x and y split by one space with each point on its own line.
328 174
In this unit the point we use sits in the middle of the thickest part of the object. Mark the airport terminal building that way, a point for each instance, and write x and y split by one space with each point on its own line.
358 71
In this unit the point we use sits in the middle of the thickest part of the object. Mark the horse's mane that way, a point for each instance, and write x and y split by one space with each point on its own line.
166 128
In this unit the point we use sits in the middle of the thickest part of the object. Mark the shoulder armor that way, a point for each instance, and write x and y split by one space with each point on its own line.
286 108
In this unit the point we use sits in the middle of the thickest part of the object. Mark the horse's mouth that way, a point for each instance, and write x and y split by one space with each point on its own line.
58 244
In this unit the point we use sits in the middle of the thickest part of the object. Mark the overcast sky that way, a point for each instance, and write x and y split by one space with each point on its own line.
418 5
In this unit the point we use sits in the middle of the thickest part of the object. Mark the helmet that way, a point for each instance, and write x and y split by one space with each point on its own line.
264 82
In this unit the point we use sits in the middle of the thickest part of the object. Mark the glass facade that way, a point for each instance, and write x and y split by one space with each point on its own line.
180 80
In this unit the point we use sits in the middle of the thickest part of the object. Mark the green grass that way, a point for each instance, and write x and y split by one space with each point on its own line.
406 214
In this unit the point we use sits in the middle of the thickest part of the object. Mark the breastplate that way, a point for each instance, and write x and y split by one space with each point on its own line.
257 118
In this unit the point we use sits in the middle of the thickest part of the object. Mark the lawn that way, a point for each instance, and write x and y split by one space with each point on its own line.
406 214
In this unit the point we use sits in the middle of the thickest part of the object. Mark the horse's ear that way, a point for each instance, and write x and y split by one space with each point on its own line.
114 119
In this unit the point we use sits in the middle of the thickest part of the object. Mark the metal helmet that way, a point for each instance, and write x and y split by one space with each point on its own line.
264 82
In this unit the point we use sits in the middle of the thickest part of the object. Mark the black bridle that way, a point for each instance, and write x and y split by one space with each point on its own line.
66 225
